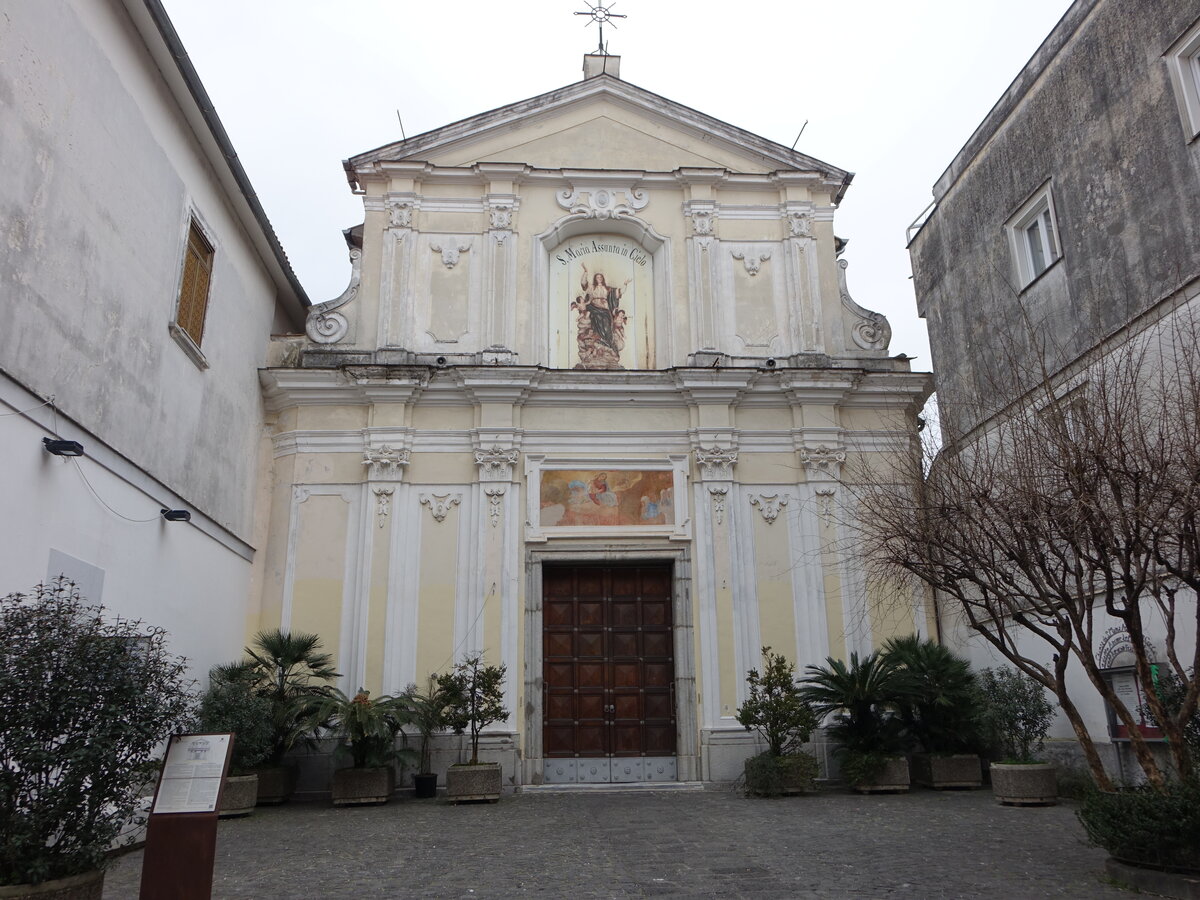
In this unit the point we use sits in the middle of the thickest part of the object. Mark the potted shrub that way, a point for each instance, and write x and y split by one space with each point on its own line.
1016 716
283 667
862 696
233 706
87 702
427 712
366 730
936 702
475 699
785 721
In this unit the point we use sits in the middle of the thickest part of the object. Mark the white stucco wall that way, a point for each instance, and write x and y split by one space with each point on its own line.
102 172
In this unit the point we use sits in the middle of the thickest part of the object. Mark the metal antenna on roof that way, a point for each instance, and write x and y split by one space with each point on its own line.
600 14
797 140
401 121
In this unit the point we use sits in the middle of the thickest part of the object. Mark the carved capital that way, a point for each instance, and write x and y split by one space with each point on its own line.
716 463
500 215
799 223
822 461
440 504
386 462
769 505
400 213
496 464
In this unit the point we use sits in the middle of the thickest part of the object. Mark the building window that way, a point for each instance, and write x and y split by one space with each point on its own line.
193 288
1033 236
1183 62
194 283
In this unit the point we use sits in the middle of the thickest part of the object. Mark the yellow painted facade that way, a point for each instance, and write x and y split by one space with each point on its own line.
600 283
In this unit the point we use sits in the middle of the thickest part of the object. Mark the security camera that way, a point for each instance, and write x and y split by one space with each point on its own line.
441 361
771 363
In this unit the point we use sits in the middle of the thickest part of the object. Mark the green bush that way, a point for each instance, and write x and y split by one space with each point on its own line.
1015 714
86 701
286 668
769 775
775 706
1147 827
474 696
863 767
935 695
233 706
864 694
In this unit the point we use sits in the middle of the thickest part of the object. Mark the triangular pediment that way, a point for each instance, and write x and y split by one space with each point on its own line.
599 123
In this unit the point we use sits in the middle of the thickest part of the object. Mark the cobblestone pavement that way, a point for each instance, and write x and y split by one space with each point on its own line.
678 844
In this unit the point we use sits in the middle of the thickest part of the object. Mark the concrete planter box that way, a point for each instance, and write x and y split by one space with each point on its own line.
1031 785
481 782
88 886
891 779
276 784
961 770
353 787
1153 881
239 797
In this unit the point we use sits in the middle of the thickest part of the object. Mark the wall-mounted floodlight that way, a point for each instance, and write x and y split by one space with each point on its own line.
62 448
176 515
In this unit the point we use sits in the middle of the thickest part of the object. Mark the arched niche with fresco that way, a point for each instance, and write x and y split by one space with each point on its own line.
605 289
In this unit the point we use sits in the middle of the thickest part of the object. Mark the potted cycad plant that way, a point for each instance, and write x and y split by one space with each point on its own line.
1016 717
427 712
86 702
784 720
284 667
475 699
233 706
862 698
367 730
936 702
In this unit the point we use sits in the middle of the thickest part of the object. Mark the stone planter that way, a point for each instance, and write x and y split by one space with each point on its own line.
893 777
276 784
88 886
960 770
1025 785
353 787
425 785
481 782
239 797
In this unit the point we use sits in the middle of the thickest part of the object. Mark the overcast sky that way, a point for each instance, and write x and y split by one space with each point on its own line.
890 91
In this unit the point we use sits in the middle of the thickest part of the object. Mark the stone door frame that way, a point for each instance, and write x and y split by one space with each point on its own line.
686 722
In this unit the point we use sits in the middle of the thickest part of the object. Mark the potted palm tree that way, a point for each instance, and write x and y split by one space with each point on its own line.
233 706
862 697
427 711
785 721
1016 717
475 699
936 703
87 701
284 667
366 731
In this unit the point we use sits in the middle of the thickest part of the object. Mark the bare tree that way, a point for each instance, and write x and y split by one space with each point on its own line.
1082 496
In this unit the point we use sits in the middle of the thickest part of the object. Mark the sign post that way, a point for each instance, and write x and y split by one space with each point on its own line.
181 836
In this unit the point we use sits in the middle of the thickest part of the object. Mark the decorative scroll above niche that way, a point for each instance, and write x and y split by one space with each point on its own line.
603 202
871 331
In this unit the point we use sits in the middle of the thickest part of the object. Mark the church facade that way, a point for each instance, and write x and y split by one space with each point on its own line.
584 408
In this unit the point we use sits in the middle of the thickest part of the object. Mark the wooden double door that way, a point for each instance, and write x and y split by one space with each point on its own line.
608 664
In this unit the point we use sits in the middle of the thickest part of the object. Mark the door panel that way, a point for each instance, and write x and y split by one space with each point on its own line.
608 663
